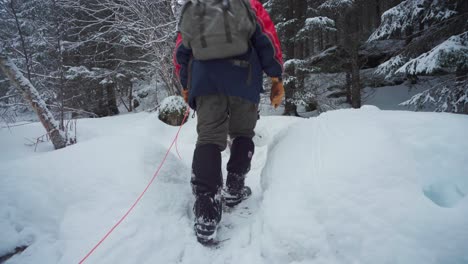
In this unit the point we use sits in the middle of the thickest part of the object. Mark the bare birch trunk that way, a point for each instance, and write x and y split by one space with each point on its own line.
32 96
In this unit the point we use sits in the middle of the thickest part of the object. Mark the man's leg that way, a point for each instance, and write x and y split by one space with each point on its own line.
243 119
207 179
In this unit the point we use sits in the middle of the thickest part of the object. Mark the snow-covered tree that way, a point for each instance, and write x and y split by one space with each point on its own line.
336 4
24 39
57 135
412 16
344 12
119 42
446 97
316 31
388 68
307 28
322 93
320 22
448 57
129 39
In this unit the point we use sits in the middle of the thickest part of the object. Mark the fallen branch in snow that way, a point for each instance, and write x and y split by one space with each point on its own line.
70 126
17 125
7 96
123 102
17 250
153 109
6 122
37 141
74 110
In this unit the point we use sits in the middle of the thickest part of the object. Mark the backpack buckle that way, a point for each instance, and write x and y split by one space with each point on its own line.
226 5
240 63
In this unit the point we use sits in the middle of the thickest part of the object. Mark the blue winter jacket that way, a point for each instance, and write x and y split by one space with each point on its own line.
237 76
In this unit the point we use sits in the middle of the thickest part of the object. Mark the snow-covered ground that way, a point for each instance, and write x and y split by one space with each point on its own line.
350 186
390 97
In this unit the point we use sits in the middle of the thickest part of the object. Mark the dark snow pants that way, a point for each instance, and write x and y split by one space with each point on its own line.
218 117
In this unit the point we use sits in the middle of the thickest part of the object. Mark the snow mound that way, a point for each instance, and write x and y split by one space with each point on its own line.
352 186
370 108
173 103
172 110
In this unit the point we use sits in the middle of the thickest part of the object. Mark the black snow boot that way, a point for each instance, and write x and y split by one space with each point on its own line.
238 166
207 181
235 191
207 210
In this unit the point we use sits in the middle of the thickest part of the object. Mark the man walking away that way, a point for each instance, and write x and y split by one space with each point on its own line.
222 49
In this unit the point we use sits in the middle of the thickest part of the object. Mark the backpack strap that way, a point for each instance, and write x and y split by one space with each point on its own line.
252 16
227 28
201 14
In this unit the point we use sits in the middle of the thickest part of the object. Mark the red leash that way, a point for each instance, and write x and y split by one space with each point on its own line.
144 191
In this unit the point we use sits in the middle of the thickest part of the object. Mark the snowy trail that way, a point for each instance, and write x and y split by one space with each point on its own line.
240 228
353 186
170 239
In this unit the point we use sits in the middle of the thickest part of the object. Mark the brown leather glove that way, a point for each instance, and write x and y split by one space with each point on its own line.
185 94
277 91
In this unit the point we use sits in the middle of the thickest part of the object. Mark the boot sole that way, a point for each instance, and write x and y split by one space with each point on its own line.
205 233
229 201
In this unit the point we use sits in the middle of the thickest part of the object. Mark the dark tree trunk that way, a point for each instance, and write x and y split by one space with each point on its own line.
312 45
130 98
289 49
290 109
321 39
355 81
348 87
100 101
290 88
378 14
112 108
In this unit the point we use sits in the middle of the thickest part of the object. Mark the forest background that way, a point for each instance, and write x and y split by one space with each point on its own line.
95 58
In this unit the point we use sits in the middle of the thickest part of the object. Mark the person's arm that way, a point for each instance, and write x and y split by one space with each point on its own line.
266 42
182 56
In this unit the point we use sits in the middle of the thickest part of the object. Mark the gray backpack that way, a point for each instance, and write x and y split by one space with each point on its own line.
217 29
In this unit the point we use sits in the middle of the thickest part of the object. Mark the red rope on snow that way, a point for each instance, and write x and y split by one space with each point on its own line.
187 112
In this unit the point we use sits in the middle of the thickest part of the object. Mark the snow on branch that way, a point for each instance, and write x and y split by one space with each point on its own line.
389 67
288 23
320 22
58 136
447 57
336 4
313 24
445 97
408 17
